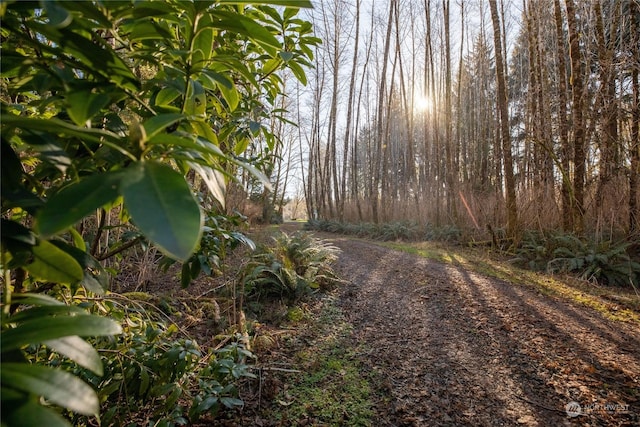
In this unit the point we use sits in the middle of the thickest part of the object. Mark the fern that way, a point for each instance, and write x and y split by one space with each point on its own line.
290 268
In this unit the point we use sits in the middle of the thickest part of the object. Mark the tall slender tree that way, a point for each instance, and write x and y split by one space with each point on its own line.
577 116
505 134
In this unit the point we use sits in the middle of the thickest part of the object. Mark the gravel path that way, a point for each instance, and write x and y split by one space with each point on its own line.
454 348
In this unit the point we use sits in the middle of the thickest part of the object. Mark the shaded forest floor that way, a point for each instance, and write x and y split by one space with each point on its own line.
438 344
411 341
458 348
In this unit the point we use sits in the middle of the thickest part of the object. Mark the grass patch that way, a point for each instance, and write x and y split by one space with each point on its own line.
331 390
612 302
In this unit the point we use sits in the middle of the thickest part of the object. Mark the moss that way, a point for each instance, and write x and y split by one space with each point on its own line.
295 314
331 389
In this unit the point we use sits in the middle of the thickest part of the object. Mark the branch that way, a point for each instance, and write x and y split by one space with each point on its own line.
119 249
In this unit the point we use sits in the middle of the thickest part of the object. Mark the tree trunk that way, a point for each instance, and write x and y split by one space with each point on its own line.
380 119
578 125
563 127
348 127
634 145
505 136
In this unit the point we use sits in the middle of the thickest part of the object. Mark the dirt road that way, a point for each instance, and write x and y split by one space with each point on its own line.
453 347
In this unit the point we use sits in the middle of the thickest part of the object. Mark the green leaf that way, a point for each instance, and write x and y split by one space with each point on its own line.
57 386
290 12
78 350
78 240
290 3
54 265
11 170
298 71
166 95
83 105
189 142
48 148
185 275
157 124
35 313
57 126
214 181
231 402
163 207
230 95
148 30
144 381
202 46
46 328
76 201
90 11
14 231
211 79
286 56
58 16
243 25
36 299
203 129
31 414
196 100
95 278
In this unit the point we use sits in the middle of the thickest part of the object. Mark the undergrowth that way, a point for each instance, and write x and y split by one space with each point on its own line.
603 262
330 388
610 263
154 373
289 267
408 231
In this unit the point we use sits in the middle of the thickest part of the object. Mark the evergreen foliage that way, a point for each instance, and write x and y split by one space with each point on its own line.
122 110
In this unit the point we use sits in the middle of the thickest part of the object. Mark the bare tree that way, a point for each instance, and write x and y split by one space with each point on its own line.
578 126
634 145
505 135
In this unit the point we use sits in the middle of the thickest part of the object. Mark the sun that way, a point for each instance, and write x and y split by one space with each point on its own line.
422 103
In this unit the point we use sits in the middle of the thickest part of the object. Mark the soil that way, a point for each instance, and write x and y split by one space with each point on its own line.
457 348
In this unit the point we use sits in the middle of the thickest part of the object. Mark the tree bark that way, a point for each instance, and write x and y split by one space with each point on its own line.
505 136
578 125
563 126
634 145
380 121
347 133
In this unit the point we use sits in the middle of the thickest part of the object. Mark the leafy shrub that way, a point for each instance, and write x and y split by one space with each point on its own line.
220 236
447 233
292 267
603 262
42 322
407 231
149 371
119 105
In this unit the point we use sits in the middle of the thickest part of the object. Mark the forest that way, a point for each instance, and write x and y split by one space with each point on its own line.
485 114
341 212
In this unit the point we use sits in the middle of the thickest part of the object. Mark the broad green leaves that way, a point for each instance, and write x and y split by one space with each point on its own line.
59 327
59 387
106 110
158 199
53 265
288 3
162 205
82 106
77 201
